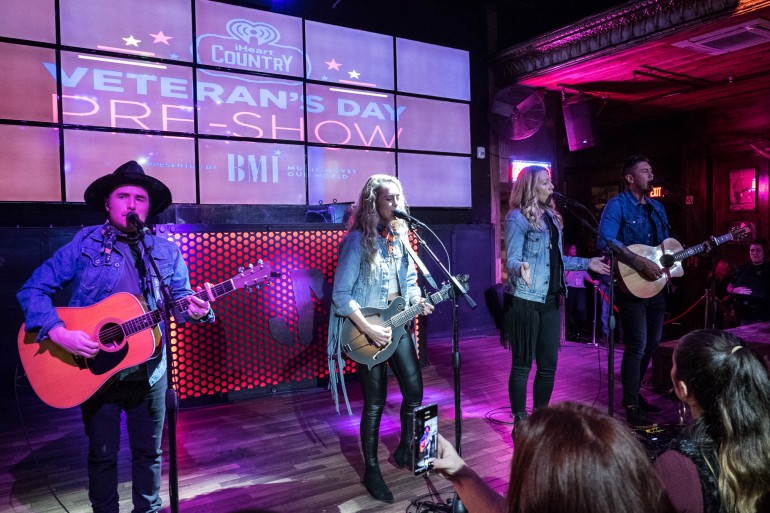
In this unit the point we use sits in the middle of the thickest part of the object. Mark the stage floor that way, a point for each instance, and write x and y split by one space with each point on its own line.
291 452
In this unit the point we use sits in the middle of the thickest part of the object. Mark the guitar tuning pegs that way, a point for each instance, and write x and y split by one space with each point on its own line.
251 266
260 261
241 269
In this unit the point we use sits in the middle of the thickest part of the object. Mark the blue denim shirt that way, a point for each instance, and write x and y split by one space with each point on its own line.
525 243
81 265
625 220
354 288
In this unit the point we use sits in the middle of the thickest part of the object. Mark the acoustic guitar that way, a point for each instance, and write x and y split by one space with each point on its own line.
127 334
396 315
668 255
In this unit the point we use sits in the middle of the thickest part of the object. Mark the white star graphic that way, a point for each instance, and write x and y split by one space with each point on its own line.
130 41
277 153
354 74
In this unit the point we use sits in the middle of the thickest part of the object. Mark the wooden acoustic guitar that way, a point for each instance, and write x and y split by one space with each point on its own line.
396 315
127 334
668 255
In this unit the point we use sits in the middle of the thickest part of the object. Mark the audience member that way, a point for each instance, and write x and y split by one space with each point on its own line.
568 458
720 462
722 276
575 304
751 286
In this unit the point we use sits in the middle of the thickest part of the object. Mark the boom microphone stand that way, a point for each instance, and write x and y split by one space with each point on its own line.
168 311
614 250
455 505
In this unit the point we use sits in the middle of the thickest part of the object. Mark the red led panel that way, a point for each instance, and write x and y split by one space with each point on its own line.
261 339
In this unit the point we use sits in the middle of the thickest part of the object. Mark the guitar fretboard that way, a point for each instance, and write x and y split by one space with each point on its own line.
407 315
694 250
150 319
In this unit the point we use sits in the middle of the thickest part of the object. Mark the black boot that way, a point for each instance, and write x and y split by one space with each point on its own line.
518 418
370 437
636 418
403 454
375 484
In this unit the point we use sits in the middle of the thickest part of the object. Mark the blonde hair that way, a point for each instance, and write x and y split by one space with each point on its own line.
524 198
366 219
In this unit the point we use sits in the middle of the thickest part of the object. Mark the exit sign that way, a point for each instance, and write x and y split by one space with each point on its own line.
657 192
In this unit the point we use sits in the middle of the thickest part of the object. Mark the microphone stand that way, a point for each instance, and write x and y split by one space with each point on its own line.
453 505
168 311
710 294
614 250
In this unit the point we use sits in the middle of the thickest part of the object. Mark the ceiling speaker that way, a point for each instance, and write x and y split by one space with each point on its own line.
578 123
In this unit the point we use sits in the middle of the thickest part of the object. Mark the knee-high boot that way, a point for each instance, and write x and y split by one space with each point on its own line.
403 453
370 435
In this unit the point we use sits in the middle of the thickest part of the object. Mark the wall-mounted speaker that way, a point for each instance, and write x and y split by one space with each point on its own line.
578 123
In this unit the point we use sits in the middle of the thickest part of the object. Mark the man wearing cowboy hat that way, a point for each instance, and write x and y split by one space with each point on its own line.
99 262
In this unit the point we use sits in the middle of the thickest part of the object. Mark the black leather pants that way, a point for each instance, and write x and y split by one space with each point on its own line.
408 372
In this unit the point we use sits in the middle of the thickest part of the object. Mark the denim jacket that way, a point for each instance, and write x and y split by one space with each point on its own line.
81 264
625 221
524 243
352 291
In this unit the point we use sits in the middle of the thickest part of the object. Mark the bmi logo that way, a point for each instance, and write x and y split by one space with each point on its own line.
252 168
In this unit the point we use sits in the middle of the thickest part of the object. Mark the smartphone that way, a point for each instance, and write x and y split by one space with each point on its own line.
425 441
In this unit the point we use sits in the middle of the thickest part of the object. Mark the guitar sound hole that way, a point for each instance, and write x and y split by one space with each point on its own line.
667 261
111 337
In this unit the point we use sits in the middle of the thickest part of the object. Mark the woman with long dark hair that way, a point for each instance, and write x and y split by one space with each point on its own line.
569 458
721 461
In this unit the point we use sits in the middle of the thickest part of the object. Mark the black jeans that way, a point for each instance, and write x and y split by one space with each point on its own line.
374 384
145 409
642 329
544 329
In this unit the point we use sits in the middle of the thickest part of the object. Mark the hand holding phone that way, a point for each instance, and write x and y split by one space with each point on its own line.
447 462
425 440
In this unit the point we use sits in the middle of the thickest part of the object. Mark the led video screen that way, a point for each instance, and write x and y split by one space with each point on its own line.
259 108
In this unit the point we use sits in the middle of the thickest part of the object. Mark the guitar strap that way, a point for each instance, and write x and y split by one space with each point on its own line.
420 264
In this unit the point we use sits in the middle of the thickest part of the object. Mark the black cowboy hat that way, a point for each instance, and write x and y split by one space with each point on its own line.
129 173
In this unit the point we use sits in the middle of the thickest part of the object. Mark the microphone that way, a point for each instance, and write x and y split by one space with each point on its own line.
406 217
132 219
565 199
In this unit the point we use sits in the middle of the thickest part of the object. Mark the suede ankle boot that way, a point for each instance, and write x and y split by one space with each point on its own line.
375 484
403 456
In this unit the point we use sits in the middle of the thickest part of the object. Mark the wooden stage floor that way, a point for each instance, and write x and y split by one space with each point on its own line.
291 452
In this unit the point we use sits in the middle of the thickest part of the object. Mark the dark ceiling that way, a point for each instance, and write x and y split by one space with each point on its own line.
521 20
661 76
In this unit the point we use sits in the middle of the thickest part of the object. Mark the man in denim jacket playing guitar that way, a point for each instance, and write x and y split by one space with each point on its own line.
99 262
633 217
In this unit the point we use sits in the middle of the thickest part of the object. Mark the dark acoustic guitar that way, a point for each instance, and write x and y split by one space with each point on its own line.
396 315
127 334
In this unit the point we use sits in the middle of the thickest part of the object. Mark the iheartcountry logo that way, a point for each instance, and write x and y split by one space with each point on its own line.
250 45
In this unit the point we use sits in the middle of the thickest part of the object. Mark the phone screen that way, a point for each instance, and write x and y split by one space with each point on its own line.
425 443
